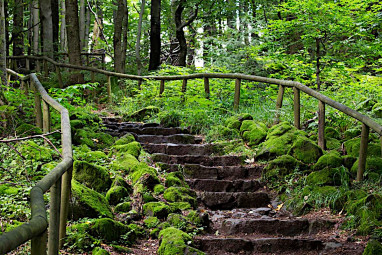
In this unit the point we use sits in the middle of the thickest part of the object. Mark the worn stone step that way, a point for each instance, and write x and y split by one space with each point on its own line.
247 245
193 171
202 160
177 139
183 149
116 125
277 227
230 200
212 185
152 130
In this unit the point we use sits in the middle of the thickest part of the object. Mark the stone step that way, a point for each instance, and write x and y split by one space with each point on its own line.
202 160
193 171
230 200
177 139
116 125
211 185
182 149
276 227
152 130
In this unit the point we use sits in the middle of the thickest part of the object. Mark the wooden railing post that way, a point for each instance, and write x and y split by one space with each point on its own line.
46 117
110 99
59 77
161 88
296 107
236 101
184 86
37 107
39 244
321 124
54 218
139 84
279 102
65 194
363 152
207 87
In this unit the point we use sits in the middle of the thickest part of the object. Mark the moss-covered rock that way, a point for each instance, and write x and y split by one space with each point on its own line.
133 148
332 143
170 118
178 207
332 133
157 209
352 148
79 237
123 207
108 230
352 133
377 110
233 123
330 160
146 175
31 150
180 194
339 203
92 176
282 166
116 194
141 114
174 241
175 179
279 129
151 222
125 162
159 189
99 251
373 247
143 191
126 139
7 189
305 150
88 203
119 181
253 132
328 176
348 161
95 140
95 156
373 165
26 129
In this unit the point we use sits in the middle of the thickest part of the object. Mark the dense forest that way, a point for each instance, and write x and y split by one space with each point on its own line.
278 103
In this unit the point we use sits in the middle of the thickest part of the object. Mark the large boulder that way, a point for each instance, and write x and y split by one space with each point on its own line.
328 177
253 132
108 230
331 160
125 162
156 209
282 166
133 148
180 194
92 176
352 148
116 194
88 203
305 150
175 241
373 165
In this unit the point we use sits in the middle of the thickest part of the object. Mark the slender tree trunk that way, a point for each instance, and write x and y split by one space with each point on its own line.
55 22
119 39
72 28
245 23
155 39
87 27
47 30
82 23
63 39
6 26
3 54
318 68
180 34
17 33
139 35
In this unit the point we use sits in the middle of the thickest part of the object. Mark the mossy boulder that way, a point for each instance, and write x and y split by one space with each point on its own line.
328 176
123 207
235 122
116 194
157 209
133 148
95 140
177 207
377 110
143 191
349 196
282 166
126 139
26 129
305 150
108 230
79 237
159 189
95 156
151 222
175 179
146 175
348 161
180 222
141 114
170 118
125 162
7 189
253 132
332 143
119 181
332 133
352 148
352 133
373 247
198 218
91 175
88 203
373 165
31 150
100 251
330 160
180 194
279 129
174 241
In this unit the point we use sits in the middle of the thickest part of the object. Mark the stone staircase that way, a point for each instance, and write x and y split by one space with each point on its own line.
244 217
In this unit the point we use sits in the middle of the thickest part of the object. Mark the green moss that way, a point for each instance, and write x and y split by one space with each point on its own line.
373 247
116 195
151 222
133 148
348 161
27 129
146 175
88 203
373 164
108 229
171 118
196 218
305 150
95 156
178 221
281 166
126 139
119 181
175 179
175 241
332 143
352 148
99 251
31 150
123 207
332 133
124 162
179 206
157 209
327 176
159 189
79 237
352 133
339 203
77 124
7 189
279 129
180 194
93 139
92 176
253 132
142 113
331 160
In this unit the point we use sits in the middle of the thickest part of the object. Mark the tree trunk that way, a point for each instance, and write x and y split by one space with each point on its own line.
63 39
17 33
155 39
180 34
139 35
6 26
47 27
318 69
191 50
72 29
82 23
3 54
87 28
119 39
56 23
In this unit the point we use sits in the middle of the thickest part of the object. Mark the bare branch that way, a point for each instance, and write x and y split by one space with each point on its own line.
28 137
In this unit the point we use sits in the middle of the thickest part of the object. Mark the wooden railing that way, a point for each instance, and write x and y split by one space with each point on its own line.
297 87
57 181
